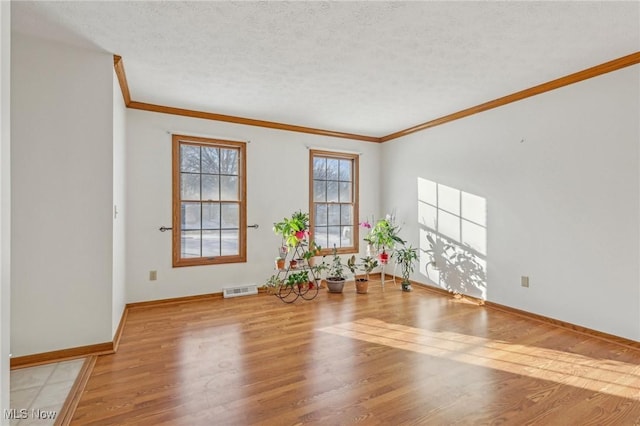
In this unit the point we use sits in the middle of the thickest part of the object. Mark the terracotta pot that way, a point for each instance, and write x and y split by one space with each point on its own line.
293 264
280 264
362 286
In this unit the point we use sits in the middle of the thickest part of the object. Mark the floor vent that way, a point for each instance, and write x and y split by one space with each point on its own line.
240 291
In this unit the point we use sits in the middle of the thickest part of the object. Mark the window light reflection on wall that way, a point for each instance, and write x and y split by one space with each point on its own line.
457 221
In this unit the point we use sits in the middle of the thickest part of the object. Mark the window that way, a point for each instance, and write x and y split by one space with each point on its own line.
334 200
209 208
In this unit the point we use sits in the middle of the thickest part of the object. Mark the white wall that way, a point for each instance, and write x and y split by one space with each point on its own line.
62 186
119 205
277 185
5 203
562 205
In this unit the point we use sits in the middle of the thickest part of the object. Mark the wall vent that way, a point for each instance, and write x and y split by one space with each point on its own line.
240 291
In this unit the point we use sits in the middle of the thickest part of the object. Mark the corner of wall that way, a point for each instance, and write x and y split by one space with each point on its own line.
5 203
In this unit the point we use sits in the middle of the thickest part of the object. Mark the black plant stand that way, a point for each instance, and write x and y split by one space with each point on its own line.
306 291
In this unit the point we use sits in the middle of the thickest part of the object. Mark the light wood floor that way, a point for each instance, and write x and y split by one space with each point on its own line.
386 358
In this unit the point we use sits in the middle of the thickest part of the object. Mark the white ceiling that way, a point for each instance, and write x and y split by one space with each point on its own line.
369 68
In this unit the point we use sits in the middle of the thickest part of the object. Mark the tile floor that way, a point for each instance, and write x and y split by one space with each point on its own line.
38 392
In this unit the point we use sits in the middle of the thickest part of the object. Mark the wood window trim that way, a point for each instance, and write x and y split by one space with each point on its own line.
241 257
356 194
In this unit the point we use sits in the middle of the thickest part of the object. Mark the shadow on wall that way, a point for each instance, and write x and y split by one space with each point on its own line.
453 238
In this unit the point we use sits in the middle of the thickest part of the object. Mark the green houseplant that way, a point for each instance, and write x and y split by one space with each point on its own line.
294 230
297 279
317 270
406 258
367 265
313 251
383 236
273 284
335 276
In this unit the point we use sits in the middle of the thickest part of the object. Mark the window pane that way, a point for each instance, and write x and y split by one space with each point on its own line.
320 236
229 188
230 216
332 169
189 186
189 158
229 162
346 214
345 170
230 243
191 216
346 236
210 243
319 168
345 192
334 214
190 242
319 191
210 187
210 160
334 237
332 191
333 186
208 204
211 216
321 215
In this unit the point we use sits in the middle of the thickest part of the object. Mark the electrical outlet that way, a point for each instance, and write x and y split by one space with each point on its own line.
153 275
524 281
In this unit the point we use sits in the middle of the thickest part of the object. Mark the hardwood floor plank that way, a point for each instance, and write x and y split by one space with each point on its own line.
383 358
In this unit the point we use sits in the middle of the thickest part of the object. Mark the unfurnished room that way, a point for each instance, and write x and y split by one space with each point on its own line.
320 212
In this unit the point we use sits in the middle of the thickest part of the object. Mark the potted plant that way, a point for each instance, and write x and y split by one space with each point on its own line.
297 279
367 265
293 230
383 236
309 255
273 284
279 263
406 258
317 269
335 278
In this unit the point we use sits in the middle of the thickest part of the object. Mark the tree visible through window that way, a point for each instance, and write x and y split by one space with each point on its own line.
209 212
334 200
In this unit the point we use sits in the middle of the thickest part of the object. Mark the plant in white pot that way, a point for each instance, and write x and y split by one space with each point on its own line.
383 236
335 275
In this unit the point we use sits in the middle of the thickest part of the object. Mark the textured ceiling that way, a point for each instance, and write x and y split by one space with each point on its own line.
369 68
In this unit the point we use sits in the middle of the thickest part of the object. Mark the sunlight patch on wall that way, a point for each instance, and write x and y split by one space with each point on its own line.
453 238
611 377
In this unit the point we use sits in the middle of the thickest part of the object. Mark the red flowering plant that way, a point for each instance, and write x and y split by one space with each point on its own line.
383 235
294 230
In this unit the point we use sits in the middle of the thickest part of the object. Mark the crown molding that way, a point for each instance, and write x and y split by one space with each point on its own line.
607 67
118 66
247 121
588 73
124 87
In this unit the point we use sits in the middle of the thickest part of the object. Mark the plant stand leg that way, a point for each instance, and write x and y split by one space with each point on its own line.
382 275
